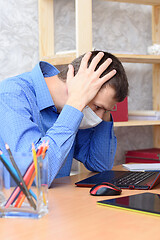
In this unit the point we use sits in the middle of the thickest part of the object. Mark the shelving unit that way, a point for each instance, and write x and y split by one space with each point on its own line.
84 28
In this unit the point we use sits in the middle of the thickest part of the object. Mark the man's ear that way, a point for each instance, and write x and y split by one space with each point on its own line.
107 117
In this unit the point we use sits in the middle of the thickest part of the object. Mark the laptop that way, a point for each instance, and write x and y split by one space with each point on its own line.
123 179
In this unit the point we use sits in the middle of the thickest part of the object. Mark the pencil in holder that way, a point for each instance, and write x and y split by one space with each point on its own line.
27 196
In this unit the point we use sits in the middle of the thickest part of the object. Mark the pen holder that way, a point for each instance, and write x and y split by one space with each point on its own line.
30 198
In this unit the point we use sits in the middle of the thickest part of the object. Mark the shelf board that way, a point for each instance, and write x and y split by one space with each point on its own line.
67 58
134 58
130 123
60 59
145 2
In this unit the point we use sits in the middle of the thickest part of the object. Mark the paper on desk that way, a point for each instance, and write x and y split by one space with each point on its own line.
142 166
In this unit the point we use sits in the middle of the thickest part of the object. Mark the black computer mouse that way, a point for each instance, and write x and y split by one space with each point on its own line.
105 189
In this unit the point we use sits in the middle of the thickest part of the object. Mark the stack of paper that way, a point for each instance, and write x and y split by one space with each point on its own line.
142 166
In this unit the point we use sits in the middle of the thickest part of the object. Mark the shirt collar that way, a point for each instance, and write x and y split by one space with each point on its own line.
39 72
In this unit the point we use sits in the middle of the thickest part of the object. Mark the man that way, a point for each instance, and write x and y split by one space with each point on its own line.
71 109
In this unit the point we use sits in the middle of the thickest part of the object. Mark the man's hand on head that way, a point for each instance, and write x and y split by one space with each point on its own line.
84 86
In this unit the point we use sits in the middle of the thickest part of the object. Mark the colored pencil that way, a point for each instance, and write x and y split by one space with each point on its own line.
3 160
28 195
34 157
21 197
45 149
29 176
17 190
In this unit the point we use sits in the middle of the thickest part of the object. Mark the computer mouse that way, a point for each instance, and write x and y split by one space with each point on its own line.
105 189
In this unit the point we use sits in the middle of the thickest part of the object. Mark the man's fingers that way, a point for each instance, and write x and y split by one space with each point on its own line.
103 66
107 76
84 62
95 61
70 73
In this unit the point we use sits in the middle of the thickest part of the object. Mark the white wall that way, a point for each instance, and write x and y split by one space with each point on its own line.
18 36
117 28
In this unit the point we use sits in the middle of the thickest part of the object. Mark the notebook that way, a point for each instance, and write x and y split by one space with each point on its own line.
123 179
144 202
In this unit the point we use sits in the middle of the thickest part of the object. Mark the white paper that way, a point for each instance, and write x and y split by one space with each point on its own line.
142 166
144 115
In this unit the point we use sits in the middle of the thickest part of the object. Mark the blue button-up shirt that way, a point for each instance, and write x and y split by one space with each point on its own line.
28 114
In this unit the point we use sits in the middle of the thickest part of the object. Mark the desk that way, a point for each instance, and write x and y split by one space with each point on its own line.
74 214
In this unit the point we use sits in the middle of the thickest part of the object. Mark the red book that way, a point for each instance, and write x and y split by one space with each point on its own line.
151 155
121 115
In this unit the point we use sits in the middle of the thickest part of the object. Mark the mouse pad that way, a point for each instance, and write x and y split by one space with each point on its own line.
143 202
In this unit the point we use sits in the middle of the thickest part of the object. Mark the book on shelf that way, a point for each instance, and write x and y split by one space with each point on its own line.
121 115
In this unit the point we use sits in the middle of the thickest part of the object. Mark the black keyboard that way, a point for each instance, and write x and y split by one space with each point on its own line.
132 178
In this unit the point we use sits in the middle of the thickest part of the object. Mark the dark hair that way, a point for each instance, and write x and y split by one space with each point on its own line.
119 81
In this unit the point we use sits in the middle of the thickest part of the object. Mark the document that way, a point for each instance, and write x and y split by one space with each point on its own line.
142 166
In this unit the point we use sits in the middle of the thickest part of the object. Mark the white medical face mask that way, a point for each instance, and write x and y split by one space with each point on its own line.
90 119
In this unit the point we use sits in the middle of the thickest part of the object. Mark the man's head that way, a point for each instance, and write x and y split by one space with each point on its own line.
118 82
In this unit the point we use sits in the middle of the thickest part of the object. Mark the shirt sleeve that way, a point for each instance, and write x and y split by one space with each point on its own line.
61 137
19 130
96 147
